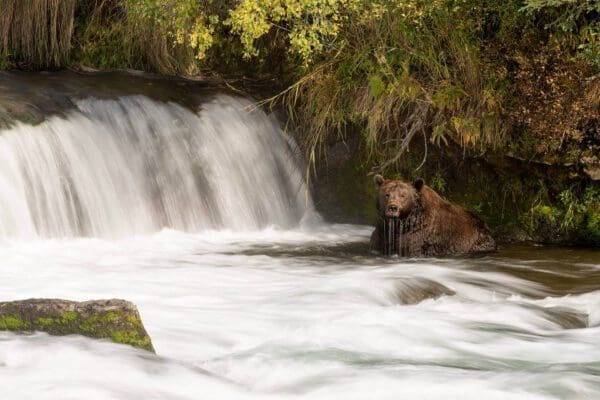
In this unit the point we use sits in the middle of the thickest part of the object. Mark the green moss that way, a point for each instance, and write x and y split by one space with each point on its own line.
68 317
110 316
134 321
120 327
98 324
13 323
45 322
110 326
89 325
132 338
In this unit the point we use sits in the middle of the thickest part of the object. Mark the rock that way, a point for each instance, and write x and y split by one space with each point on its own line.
591 166
567 318
117 320
415 290
511 234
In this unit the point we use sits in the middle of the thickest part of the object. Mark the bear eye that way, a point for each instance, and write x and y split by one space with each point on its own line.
387 196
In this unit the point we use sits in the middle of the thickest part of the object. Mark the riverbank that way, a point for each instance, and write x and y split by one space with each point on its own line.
521 200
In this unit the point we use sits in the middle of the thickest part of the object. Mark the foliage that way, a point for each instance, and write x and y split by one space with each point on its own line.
578 18
168 36
308 24
37 32
438 183
405 70
177 36
573 216
481 78
182 22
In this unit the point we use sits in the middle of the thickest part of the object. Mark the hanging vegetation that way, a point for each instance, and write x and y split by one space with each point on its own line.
36 32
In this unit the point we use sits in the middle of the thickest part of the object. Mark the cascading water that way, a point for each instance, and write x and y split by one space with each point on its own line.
269 307
114 168
404 236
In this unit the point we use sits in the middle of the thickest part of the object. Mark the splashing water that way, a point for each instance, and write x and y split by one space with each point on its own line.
403 236
243 300
306 314
115 168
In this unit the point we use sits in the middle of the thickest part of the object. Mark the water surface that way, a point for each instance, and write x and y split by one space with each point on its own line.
308 313
192 204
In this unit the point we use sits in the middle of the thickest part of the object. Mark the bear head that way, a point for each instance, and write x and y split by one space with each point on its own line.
395 198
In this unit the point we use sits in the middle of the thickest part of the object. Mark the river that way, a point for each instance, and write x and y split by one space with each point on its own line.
200 217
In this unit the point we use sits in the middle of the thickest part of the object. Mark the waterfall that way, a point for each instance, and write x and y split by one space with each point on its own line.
132 165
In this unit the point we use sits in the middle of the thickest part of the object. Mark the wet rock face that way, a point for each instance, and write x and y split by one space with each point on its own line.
117 320
32 97
413 220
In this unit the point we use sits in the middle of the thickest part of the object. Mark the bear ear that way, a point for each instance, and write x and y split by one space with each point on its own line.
378 179
418 184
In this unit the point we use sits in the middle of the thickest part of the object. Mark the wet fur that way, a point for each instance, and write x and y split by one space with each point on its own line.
427 225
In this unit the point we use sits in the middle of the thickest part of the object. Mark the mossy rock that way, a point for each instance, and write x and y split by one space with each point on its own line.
117 320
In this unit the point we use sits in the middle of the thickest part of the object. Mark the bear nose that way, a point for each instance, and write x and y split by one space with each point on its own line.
392 208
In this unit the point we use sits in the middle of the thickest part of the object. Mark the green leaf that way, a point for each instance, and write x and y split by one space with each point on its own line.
376 85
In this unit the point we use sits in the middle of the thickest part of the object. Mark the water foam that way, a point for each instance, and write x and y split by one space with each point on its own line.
272 314
114 168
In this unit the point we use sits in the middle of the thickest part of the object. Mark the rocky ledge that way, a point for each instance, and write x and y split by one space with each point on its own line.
117 320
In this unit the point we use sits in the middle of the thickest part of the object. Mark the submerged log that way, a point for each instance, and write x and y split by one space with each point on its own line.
117 320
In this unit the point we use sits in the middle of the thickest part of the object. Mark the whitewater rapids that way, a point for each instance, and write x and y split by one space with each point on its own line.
202 219
303 314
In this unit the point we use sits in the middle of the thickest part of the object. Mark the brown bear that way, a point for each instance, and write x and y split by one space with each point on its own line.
413 220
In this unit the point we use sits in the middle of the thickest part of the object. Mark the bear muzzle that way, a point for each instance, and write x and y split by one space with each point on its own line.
392 211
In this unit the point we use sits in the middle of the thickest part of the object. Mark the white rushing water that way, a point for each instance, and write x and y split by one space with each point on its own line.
199 219
275 314
114 168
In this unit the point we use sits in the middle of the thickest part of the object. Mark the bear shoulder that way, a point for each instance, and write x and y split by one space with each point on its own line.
431 200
